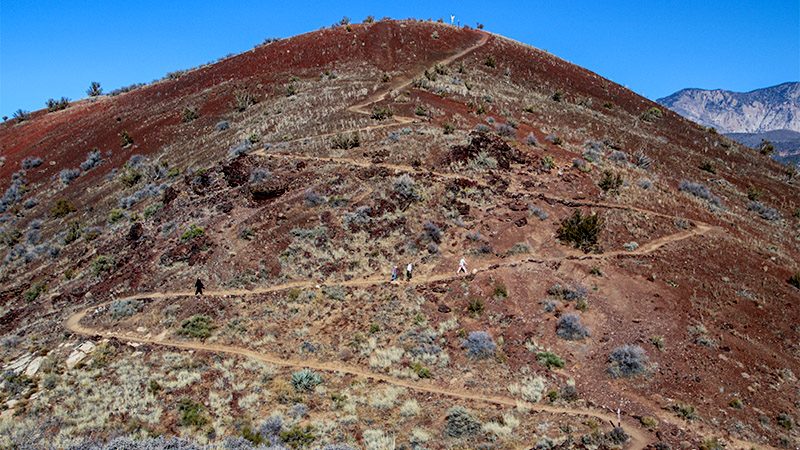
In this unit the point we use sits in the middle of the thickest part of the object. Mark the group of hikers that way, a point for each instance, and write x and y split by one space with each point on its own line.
462 267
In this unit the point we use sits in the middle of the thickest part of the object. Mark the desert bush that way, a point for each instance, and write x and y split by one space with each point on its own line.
505 130
240 149
764 211
243 100
475 307
432 232
102 264
358 218
120 309
617 436
448 128
33 292
381 113
627 361
148 191
652 114
198 326
483 161
73 233
344 142
298 436
549 360
645 184
31 162
459 423
699 191
21 115
67 176
630 246
14 192
305 380
62 208
531 140
581 231
152 209
222 125
610 182
406 188
115 215
192 414
189 113
93 160
129 176
125 139
685 411
766 148
569 327
519 248
94 89
57 105
479 345
574 291
785 421
192 232
642 161
313 199
553 139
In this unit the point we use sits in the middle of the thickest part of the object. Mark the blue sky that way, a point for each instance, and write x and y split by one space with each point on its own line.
54 48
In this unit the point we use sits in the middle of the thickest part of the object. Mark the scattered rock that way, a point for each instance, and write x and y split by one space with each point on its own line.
442 308
79 354
34 366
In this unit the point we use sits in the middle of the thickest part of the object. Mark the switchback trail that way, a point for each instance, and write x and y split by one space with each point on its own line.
638 439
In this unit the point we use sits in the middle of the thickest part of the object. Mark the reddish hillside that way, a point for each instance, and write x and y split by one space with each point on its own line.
293 177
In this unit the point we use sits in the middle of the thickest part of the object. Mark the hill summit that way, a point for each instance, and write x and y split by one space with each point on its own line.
629 278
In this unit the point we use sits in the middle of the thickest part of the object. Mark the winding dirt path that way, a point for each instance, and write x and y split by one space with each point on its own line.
638 438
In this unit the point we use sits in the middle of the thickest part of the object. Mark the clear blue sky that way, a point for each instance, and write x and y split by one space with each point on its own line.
54 48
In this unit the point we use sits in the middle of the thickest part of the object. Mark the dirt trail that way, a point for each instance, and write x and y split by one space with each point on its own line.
638 438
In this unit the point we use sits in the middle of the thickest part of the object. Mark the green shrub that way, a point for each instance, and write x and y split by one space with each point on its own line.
36 289
548 163
685 411
420 370
345 142
192 414
102 264
298 437
557 96
115 215
193 232
61 209
57 105
94 89
490 62
766 148
448 128
707 167
129 177
652 114
736 403
243 100
785 421
125 139
381 113
475 307
580 230
190 113
305 380
73 233
500 290
152 209
198 326
549 360
610 182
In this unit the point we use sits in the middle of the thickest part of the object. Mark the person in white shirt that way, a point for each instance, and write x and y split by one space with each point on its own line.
409 268
462 266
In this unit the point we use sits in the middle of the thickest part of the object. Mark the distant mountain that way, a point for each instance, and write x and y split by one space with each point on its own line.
786 143
767 109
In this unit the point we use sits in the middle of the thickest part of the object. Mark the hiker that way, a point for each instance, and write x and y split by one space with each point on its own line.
409 268
394 272
462 265
198 288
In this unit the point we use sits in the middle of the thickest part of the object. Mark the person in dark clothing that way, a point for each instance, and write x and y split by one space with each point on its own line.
198 288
